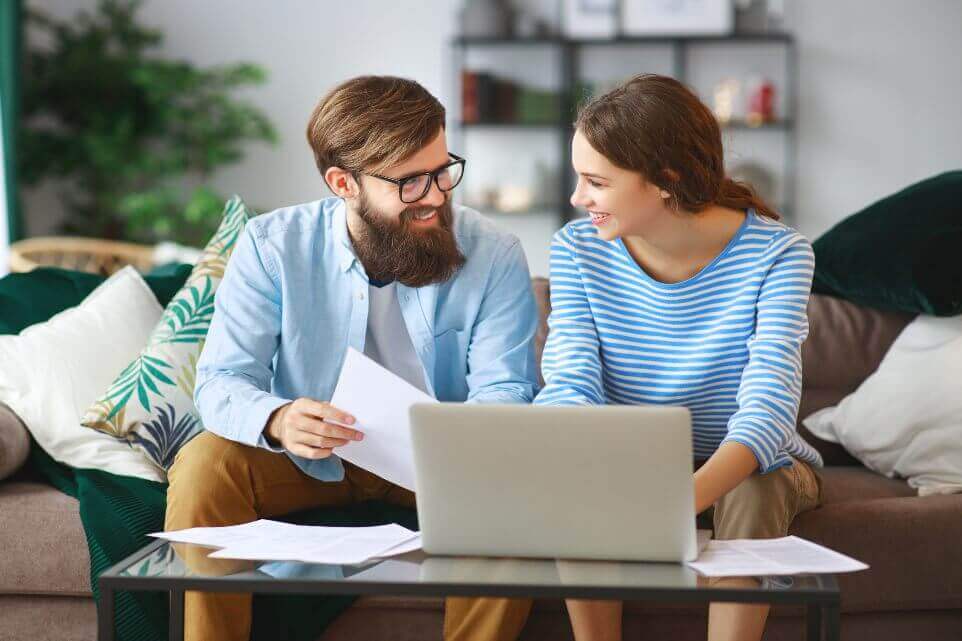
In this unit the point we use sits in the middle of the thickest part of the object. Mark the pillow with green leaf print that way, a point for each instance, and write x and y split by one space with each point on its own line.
150 403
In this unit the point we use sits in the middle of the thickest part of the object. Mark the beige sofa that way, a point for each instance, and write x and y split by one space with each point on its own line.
913 590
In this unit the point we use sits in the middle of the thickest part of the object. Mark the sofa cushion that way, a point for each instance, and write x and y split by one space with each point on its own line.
814 399
900 253
33 297
905 420
14 442
43 542
908 542
829 373
543 298
150 403
865 333
51 371
47 618
848 483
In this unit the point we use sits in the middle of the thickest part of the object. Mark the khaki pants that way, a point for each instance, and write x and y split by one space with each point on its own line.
761 507
215 481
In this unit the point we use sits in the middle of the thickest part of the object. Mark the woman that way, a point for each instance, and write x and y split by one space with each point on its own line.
682 288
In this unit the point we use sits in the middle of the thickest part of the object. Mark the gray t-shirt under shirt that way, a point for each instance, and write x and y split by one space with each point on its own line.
388 342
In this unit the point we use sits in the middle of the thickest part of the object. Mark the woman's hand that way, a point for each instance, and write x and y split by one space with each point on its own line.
731 464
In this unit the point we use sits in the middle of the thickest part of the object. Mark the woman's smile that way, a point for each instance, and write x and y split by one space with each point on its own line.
599 218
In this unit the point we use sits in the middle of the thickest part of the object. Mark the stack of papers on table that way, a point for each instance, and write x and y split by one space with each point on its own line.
266 540
769 557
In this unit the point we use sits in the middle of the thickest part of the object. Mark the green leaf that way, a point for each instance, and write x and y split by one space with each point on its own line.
188 317
139 376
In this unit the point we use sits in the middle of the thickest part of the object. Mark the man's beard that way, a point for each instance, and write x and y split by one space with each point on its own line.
391 250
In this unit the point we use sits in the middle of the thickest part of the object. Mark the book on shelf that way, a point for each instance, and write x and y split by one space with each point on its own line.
485 98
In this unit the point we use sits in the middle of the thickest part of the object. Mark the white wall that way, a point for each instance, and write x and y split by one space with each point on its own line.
880 103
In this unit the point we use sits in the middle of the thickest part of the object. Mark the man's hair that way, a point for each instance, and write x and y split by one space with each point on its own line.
370 123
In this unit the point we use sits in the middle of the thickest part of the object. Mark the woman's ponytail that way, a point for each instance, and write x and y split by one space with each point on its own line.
739 195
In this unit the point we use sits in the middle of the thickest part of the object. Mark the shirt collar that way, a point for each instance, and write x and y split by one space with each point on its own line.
345 249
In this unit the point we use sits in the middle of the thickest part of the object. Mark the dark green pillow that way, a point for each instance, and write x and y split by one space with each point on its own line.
33 297
903 253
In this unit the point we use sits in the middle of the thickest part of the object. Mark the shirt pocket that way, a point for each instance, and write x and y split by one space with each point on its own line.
451 362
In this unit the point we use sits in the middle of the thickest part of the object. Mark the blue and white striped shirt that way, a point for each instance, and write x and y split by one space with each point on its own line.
726 343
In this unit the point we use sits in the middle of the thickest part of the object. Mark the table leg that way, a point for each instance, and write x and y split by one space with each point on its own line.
176 628
832 622
813 622
105 615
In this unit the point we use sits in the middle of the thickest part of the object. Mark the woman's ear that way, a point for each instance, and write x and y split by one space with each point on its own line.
671 177
341 182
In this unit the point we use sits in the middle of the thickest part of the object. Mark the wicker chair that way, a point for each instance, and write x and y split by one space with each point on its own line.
85 254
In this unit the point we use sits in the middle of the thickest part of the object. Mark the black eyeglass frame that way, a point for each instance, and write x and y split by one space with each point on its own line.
432 175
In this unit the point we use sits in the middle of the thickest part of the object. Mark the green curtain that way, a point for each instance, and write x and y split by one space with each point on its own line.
9 70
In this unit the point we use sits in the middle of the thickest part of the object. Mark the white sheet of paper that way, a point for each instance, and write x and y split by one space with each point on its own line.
766 557
266 540
221 537
379 400
315 544
410 546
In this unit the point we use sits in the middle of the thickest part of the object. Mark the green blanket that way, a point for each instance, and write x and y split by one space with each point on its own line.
117 514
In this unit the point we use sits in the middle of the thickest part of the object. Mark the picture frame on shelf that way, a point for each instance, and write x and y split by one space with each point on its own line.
677 17
590 19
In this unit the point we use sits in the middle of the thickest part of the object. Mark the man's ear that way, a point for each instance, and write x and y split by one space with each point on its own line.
341 182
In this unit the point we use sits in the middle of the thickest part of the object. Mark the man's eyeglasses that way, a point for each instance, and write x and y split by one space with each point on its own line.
413 188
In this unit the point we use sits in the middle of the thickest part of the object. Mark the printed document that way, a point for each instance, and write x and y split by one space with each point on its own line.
379 401
767 557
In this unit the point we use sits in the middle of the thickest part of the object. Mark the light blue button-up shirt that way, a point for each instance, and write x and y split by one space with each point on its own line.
294 298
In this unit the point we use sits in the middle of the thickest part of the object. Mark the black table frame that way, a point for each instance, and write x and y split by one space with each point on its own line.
821 606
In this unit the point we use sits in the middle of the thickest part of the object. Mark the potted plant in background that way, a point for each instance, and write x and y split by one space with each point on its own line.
133 136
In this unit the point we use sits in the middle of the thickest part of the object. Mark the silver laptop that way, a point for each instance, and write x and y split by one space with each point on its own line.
611 482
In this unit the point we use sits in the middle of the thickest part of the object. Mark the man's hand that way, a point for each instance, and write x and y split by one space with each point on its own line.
301 428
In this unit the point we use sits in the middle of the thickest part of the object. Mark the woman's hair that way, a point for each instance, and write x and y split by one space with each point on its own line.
656 126
370 123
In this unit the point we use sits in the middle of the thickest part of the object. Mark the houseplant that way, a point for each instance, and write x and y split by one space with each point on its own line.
133 137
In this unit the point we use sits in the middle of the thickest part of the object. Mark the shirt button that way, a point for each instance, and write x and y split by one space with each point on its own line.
360 295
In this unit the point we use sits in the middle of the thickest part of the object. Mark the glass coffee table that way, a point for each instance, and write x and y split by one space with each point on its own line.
174 568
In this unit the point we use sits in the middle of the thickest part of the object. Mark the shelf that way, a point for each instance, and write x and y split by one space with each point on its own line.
742 125
735 38
733 125
508 41
517 125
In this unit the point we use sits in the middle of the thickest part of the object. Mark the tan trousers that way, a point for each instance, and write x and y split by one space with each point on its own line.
761 507
215 481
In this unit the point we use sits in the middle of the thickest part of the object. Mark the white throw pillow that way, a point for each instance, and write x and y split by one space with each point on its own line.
52 371
906 418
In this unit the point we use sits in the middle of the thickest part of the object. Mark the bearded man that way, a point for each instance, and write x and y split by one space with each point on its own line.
389 266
